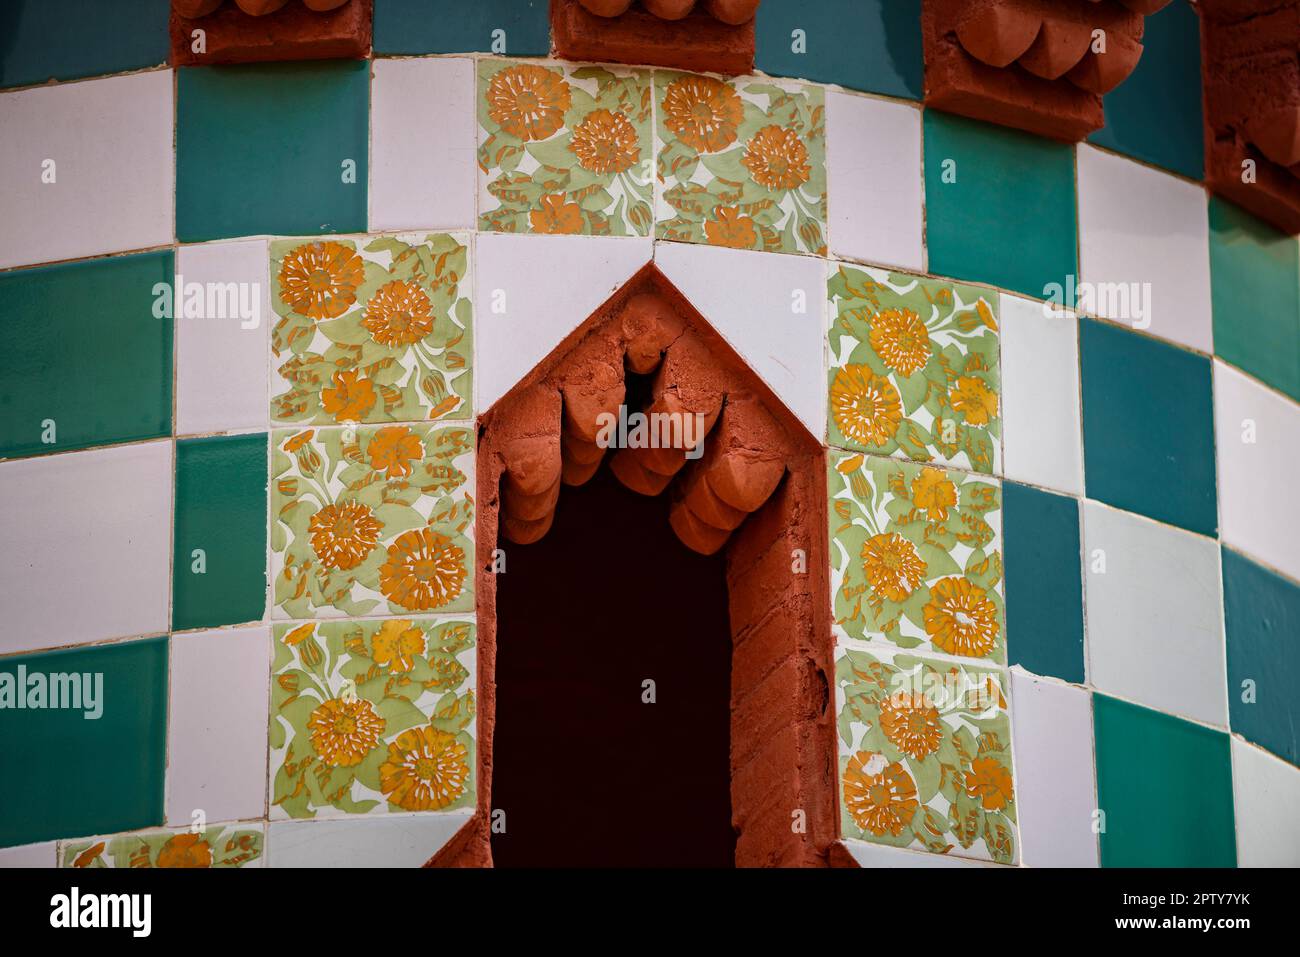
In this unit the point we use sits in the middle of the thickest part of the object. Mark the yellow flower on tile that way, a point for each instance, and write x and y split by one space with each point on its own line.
393 449
426 770
933 492
989 781
185 850
556 216
702 112
528 101
777 159
344 732
398 314
880 797
960 619
342 535
730 228
351 397
901 340
866 406
976 401
892 565
396 644
320 279
912 724
425 569
606 142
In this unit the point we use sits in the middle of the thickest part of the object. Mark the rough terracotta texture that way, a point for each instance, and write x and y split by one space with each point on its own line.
292 32
701 40
1031 64
1251 66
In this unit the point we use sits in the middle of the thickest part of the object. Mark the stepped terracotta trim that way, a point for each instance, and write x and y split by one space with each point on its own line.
257 31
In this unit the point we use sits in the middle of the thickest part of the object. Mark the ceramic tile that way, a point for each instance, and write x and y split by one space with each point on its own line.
44 854
1258 434
1265 794
221 845
916 556
278 148
1165 788
1144 249
87 534
1262 622
389 340
1054 772
872 45
925 754
87 168
1155 614
914 368
1255 279
873 161
1140 453
526 306
1042 438
422 166
86 753
216 760
100 369
68 41
564 149
1044 582
740 163
769 308
1000 205
372 521
875 855
219 560
504 27
372 717
407 840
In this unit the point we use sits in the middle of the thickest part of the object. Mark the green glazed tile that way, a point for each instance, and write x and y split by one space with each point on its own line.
871 45
86 362
1003 211
224 845
504 27
72 39
66 773
266 148
1255 290
1165 786
220 512
1155 115
1148 426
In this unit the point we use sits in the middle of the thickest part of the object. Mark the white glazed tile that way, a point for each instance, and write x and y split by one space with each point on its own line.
1042 441
216 741
44 854
1258 508
769 308
396 840
873 169
870 855
85 546
532 291
1055 791
221 356
1155 615
423 149
111 144
1265 793
1137 224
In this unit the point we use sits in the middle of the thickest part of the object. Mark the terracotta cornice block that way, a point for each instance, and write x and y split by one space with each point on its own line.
1036 65
1252 106
293 31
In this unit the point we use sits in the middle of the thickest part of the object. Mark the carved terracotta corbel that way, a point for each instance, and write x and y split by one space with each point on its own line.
205 32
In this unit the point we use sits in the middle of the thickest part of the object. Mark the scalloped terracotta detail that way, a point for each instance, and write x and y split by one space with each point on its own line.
714 36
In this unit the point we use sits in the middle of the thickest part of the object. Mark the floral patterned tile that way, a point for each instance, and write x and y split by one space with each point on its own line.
372 329
377 520
916 556
564 149
372 717
925 754
914 368
741 163
222 845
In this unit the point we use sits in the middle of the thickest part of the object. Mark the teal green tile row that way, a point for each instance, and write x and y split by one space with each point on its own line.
42 40
505 27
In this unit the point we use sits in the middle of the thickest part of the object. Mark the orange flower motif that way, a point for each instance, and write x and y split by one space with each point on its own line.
989 781
319 280
960 619
396 644
892 565
344 732
89 855
392 450
185 850
932 492
974 400
880 797
912 724
299 440
703 113
730 228
425 569
776 158
866 406
528 101
605 142
901 340
350 399
343 535
398 314
426 770
556 216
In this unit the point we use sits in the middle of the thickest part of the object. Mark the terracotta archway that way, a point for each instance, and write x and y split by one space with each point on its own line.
758 491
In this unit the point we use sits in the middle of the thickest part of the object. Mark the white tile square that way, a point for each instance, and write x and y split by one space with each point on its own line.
110 141
396 840
44 854
870 856
1265 794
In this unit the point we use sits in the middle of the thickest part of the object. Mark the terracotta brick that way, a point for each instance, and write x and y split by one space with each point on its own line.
696 42
694 534
291 31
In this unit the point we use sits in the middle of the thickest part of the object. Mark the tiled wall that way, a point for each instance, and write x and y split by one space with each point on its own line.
259 529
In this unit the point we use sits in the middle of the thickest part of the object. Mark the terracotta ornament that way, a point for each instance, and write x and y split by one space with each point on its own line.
206 32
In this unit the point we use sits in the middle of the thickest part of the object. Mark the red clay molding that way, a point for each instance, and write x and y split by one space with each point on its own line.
1037 65
1251 65
253 31
714 36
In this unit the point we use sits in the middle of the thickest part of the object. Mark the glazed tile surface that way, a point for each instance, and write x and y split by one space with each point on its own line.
222 845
